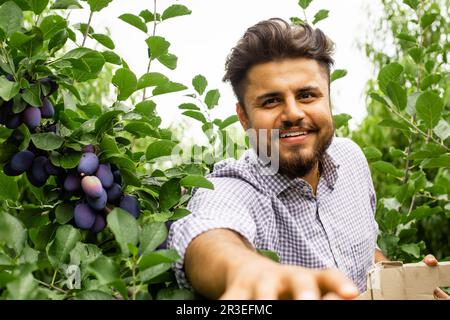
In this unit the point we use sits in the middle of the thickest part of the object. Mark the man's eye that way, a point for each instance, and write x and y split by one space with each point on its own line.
270 102
306 96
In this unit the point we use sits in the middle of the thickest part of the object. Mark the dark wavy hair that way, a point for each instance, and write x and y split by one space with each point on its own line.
272 40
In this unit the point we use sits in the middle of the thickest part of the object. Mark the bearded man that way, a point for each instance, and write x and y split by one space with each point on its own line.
313 204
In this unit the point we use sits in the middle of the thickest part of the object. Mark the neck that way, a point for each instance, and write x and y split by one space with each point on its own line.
313 177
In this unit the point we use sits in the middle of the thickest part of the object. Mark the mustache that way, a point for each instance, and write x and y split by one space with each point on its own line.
298 126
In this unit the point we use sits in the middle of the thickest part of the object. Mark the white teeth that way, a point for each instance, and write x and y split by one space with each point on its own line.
293 134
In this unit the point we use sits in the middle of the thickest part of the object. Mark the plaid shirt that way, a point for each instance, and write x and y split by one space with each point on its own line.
335 228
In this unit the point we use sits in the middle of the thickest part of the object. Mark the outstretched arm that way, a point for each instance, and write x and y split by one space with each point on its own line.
221 264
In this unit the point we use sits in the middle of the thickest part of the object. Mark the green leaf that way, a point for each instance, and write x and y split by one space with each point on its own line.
91 109
152 235
58 40
320 15
272 255
296 21
141 129
86 63
135 21
212 98
228 121
59 249
66 4
429 81
112 57
442 130
427 19
12 232
50 25
66 161
148 16
158 46
416 54
124 227
145 108
125 80
390 72
388 168
304 3
175 294
17 39
168 87
22 288
341 120
97 5
199 82
157 257
160 148
188 106
151 79
93 295
388 244
104 269
170 194
337 74
443 161
175 10
413 4
8 187
406 37
8 89
372 153
169 60
196 181
411 249
195 115
38 6
47 141
397 94
11 17
429 107
105 121
104 40
64 212
32 95
393 124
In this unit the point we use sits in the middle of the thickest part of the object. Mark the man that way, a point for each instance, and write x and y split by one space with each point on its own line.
316 212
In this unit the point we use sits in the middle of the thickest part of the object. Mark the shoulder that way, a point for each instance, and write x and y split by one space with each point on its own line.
345 149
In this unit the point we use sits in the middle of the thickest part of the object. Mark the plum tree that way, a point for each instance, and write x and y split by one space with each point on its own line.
22 160
105 175
84 216
88 163
92 186
31 116
130 203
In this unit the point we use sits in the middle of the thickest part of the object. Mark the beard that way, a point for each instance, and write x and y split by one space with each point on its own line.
296 163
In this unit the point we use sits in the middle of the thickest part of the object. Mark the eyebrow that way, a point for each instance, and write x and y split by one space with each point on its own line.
277 94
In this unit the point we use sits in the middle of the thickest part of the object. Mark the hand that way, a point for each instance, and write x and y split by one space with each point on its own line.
267 280
431 261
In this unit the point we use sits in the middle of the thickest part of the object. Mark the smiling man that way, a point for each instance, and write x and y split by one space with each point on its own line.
315 207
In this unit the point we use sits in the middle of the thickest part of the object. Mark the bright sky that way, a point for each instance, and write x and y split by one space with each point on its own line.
203 39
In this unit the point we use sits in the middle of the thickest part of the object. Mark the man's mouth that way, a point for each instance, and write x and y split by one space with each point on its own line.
293 134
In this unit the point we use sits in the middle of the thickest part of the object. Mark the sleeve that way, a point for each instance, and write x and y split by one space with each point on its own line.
228 206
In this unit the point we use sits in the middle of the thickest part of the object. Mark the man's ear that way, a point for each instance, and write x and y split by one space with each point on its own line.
242 115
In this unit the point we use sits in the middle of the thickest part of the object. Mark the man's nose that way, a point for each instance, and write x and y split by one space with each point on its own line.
292 111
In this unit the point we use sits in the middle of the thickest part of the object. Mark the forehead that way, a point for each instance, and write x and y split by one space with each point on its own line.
284 75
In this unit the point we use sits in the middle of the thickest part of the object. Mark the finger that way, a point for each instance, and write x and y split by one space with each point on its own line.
331 296
332 280
430 260
266 290
439 294
236 293
303 287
